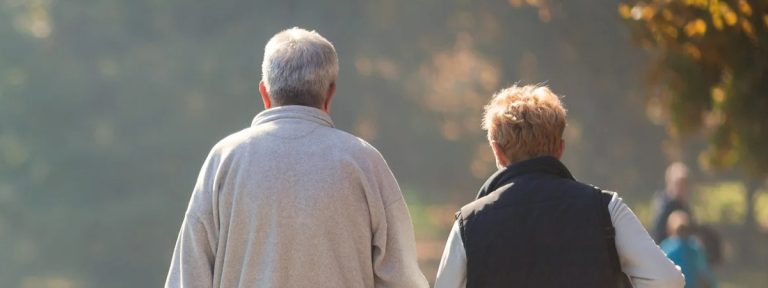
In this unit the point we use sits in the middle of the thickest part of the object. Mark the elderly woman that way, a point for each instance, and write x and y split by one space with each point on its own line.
534 225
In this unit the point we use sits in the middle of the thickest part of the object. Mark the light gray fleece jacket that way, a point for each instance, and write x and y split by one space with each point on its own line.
293 202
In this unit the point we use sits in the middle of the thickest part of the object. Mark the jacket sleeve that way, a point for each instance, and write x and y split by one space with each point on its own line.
394 247
194 254
641 259
452 272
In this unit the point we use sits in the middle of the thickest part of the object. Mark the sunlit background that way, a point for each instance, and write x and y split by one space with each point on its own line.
108 108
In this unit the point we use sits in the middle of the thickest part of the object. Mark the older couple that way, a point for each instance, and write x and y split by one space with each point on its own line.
293 202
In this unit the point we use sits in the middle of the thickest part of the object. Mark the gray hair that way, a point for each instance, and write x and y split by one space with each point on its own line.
299 67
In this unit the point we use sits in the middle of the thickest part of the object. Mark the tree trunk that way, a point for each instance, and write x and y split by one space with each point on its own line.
749 234
752 186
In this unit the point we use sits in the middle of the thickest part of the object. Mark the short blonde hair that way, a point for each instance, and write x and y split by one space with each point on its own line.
525 121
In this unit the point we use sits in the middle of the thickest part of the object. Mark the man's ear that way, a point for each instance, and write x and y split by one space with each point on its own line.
501 158
561 150
264 95
328 97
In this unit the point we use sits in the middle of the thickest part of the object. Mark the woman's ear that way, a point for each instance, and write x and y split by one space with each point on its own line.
498 153
561 150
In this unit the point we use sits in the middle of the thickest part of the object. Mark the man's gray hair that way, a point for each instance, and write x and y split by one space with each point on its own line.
299 67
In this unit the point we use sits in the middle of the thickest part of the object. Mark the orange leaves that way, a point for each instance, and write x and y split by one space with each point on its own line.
697 3
637 12
722 13
730 18
545 14
718 95
625 11
659 15
534 3
746 26
745 8
692 51
705 43
454 93
696 28
667 14
647 12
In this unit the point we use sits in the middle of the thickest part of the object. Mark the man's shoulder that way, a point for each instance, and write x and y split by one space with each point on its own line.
345 143
347 139
232 141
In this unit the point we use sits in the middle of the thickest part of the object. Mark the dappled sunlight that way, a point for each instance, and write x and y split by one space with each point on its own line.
12 151
379 66
366 128
761 210
458 94
457 83
720 203
483 163
35 19
50 282
543 6
432 223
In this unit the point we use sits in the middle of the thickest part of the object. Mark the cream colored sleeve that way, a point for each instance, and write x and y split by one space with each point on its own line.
641 259
194 254
395 261
453 266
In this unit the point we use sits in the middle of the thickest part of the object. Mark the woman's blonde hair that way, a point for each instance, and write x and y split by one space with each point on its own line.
525 122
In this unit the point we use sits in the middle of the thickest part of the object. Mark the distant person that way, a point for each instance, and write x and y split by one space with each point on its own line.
685 250
292 201
534 225
674 197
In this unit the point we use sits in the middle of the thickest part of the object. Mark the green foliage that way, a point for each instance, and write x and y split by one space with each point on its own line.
722 203
710 72
761 209
644 212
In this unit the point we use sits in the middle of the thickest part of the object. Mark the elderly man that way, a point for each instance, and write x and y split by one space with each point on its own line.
291 201
534 225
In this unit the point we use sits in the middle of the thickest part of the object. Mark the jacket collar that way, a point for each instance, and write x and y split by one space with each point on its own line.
540 165
293 112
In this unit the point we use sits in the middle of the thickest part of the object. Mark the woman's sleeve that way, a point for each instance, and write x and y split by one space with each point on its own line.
453 266
641 259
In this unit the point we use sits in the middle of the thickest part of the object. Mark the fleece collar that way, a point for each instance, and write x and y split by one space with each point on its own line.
542 165
293 112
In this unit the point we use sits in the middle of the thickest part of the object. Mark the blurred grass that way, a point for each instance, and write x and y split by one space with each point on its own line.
740 278
723 206
431 223
761 210
720 203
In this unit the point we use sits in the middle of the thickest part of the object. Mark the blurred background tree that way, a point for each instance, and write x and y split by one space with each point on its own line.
709 73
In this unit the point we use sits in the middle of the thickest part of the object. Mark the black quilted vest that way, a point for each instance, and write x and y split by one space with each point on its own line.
533 225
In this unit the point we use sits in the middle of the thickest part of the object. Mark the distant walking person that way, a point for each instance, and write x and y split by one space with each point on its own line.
533 225
673 198
687 252
291 201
